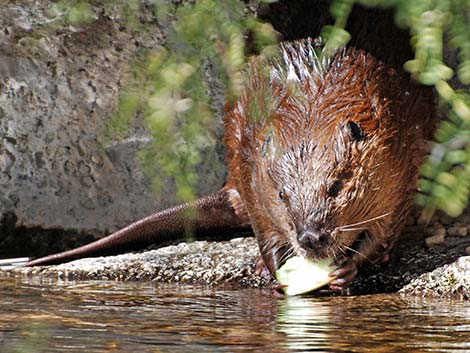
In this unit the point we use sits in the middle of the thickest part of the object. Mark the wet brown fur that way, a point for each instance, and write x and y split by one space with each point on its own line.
290 134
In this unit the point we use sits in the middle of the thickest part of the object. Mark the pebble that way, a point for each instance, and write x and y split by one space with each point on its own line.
436 230
467 250
423 220
435 240
458 230
465 218
96 159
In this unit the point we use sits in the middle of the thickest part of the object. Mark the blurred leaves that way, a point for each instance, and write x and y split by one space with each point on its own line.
446 175
77 11
336 36
205 40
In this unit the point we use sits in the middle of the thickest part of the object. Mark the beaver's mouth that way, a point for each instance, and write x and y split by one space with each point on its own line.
340 253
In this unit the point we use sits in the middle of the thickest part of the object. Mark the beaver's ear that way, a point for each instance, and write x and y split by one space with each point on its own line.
355 131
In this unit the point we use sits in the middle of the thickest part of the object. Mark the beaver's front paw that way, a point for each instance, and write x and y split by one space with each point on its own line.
344 276
261 269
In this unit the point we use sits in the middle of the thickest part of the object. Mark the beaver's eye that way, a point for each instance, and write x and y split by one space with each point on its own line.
334 189
281 195
356 132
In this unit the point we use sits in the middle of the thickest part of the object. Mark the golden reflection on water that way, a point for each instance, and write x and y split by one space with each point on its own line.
305 322
51 316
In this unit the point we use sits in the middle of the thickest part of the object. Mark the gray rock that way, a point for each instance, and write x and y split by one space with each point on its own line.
434 240
437 234
436 230
451 280
212 263
457 230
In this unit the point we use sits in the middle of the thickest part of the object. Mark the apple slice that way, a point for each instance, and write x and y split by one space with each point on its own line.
301 275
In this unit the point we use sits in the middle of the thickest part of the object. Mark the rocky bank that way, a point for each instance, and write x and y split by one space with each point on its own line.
421 265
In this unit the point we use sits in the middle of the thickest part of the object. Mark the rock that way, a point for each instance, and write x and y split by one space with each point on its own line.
436 230
424 219
232 262
212 263
434 240
451 280
465 218
436 234
446 219
457 230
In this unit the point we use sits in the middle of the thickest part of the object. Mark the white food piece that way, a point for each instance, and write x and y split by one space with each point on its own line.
301 275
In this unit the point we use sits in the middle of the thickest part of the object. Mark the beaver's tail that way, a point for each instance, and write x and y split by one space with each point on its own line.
213 213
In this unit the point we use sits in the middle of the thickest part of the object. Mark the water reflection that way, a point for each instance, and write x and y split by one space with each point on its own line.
38 316
306 323
379 323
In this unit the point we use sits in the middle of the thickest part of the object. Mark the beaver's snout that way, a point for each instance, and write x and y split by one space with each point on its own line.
314 241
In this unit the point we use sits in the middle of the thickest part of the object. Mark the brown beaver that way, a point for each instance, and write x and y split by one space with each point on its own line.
326 156
323 160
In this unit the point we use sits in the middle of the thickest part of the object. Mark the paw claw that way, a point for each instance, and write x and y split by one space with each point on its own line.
261 269
343 277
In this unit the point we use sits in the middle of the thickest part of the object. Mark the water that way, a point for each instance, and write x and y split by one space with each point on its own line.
143 317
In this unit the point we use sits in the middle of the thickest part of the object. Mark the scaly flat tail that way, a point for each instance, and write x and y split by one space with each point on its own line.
212 213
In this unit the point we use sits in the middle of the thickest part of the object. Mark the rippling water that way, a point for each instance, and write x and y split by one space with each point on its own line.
144 317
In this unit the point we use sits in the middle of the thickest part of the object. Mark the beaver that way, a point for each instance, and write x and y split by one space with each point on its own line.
323 160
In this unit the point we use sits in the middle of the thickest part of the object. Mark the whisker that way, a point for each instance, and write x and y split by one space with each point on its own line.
357 252
286 254
350 229
366 221
342 253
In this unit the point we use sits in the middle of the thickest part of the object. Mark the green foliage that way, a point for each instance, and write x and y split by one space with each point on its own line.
76 11
446 175
446 182
207 36
81 11
336 36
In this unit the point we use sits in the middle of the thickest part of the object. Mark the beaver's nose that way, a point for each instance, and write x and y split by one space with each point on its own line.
314 240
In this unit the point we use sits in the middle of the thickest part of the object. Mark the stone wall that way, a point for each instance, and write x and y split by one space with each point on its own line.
59 85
